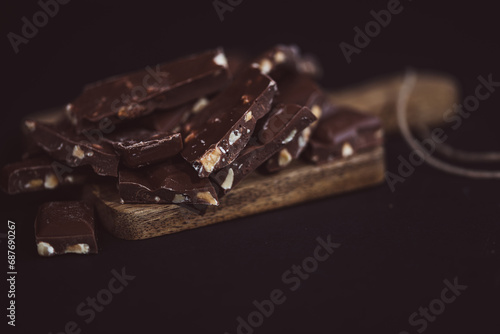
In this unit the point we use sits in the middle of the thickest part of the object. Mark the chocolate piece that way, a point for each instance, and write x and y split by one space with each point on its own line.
274 132
282 60
343 134
302 90
141 147
61 143
172 120
65 227
139 93
173 181
221 130
39 173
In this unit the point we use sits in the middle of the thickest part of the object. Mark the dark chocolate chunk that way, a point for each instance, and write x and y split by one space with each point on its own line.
173 181
139 93
61 143
172 120
302 90
343 134
221 130
65 227
275 131
140 147
39 173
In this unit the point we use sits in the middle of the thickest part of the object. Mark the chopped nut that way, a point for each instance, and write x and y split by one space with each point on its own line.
89 153
69 179
50 181
179 198
285 158
77 249
228 182
35 183
302 142
207 197
78 152
347 150
306 133
265 66
248 116
289 137
210 159
316 110
221 60
199 105
304 137
44 249
30 125
123 112
157 199
234 136
190 137
279 57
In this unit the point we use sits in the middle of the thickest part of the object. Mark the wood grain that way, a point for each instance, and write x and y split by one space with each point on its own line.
299 183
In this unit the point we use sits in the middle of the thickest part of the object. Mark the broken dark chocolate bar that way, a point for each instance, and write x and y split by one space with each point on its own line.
61 143
65 227
221 130
39 173
139 93
302 90
141 147
343 134
275 131
173 181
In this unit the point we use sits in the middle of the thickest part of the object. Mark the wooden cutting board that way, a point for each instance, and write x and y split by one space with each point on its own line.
301 182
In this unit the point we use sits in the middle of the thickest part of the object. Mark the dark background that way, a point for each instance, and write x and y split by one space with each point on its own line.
396 247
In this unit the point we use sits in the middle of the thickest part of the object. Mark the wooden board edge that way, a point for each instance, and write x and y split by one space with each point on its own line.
301 183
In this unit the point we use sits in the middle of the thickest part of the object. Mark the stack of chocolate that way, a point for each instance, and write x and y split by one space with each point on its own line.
183 132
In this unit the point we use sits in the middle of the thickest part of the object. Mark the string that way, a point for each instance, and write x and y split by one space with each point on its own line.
404 94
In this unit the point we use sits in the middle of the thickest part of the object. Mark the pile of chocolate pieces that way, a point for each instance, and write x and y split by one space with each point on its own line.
184 132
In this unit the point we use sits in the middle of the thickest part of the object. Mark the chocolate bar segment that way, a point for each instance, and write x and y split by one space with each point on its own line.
217 134
173 181
343 134
36 174
274 132
140 147
65 227
61 143
139 93
302 90
172 120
